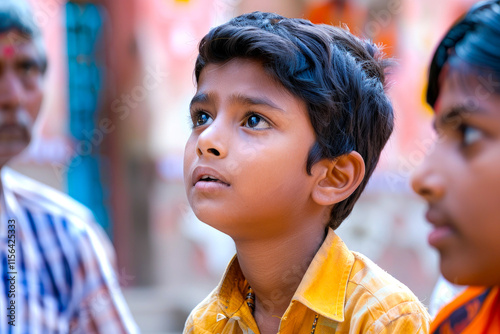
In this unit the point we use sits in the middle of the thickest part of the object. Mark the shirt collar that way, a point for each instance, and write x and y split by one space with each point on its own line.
231 288
322 289
324 285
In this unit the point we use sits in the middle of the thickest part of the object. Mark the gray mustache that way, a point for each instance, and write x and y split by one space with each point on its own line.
21 123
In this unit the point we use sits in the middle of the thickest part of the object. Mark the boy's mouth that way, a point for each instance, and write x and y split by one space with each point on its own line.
209 175
209 178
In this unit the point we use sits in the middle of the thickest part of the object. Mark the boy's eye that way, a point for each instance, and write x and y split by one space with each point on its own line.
255 121
470 135
201 118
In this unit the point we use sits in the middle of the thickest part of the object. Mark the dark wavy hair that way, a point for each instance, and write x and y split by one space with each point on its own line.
474 41
17 15
339 76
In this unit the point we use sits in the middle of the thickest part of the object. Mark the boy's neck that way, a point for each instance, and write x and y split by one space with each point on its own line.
274 267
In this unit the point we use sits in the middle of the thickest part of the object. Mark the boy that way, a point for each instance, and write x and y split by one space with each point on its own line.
289 119
460 178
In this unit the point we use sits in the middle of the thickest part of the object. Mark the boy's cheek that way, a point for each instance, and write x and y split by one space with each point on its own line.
189 149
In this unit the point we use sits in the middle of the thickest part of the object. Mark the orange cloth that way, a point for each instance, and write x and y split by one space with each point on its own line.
357 17
348 292
338 12
475 311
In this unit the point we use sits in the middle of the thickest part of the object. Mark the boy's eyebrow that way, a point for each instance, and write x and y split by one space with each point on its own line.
252 101
199 98
238 98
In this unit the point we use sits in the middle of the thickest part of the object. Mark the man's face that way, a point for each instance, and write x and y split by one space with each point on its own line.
245 162
460 180
20 93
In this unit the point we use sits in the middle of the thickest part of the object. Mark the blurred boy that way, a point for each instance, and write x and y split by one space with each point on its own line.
289 119
460 179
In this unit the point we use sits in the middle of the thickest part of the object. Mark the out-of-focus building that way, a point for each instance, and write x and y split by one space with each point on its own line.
116 119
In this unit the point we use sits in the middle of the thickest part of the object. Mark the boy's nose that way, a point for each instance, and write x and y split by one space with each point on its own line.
211 142
427 181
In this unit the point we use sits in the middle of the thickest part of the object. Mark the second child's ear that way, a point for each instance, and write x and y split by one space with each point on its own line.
337 179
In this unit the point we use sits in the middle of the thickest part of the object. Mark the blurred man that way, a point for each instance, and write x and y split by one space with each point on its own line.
56 276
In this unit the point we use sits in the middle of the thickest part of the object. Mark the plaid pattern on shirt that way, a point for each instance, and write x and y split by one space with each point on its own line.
64 281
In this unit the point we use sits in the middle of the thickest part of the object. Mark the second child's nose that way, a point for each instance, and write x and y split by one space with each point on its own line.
212 142
428 182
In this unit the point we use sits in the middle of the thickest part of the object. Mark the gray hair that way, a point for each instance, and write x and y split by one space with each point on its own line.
17 15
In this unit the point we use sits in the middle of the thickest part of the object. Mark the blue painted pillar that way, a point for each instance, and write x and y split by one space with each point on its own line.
84 30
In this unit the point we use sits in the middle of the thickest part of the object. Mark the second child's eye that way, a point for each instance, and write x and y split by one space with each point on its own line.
470 135
255 121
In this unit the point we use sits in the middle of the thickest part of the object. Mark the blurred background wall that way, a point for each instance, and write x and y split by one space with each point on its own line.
115 122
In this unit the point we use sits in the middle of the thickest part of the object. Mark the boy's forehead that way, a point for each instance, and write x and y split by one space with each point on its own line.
250 71
236 64
244 82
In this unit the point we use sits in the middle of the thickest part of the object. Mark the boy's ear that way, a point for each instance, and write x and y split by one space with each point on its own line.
337 179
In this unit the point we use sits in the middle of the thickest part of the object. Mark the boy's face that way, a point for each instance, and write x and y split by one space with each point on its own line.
20 93
460 180
245 161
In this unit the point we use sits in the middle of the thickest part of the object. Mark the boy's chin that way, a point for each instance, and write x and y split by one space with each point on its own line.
227 230
234 228
216 221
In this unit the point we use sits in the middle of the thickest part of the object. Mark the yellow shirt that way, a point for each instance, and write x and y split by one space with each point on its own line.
348 292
